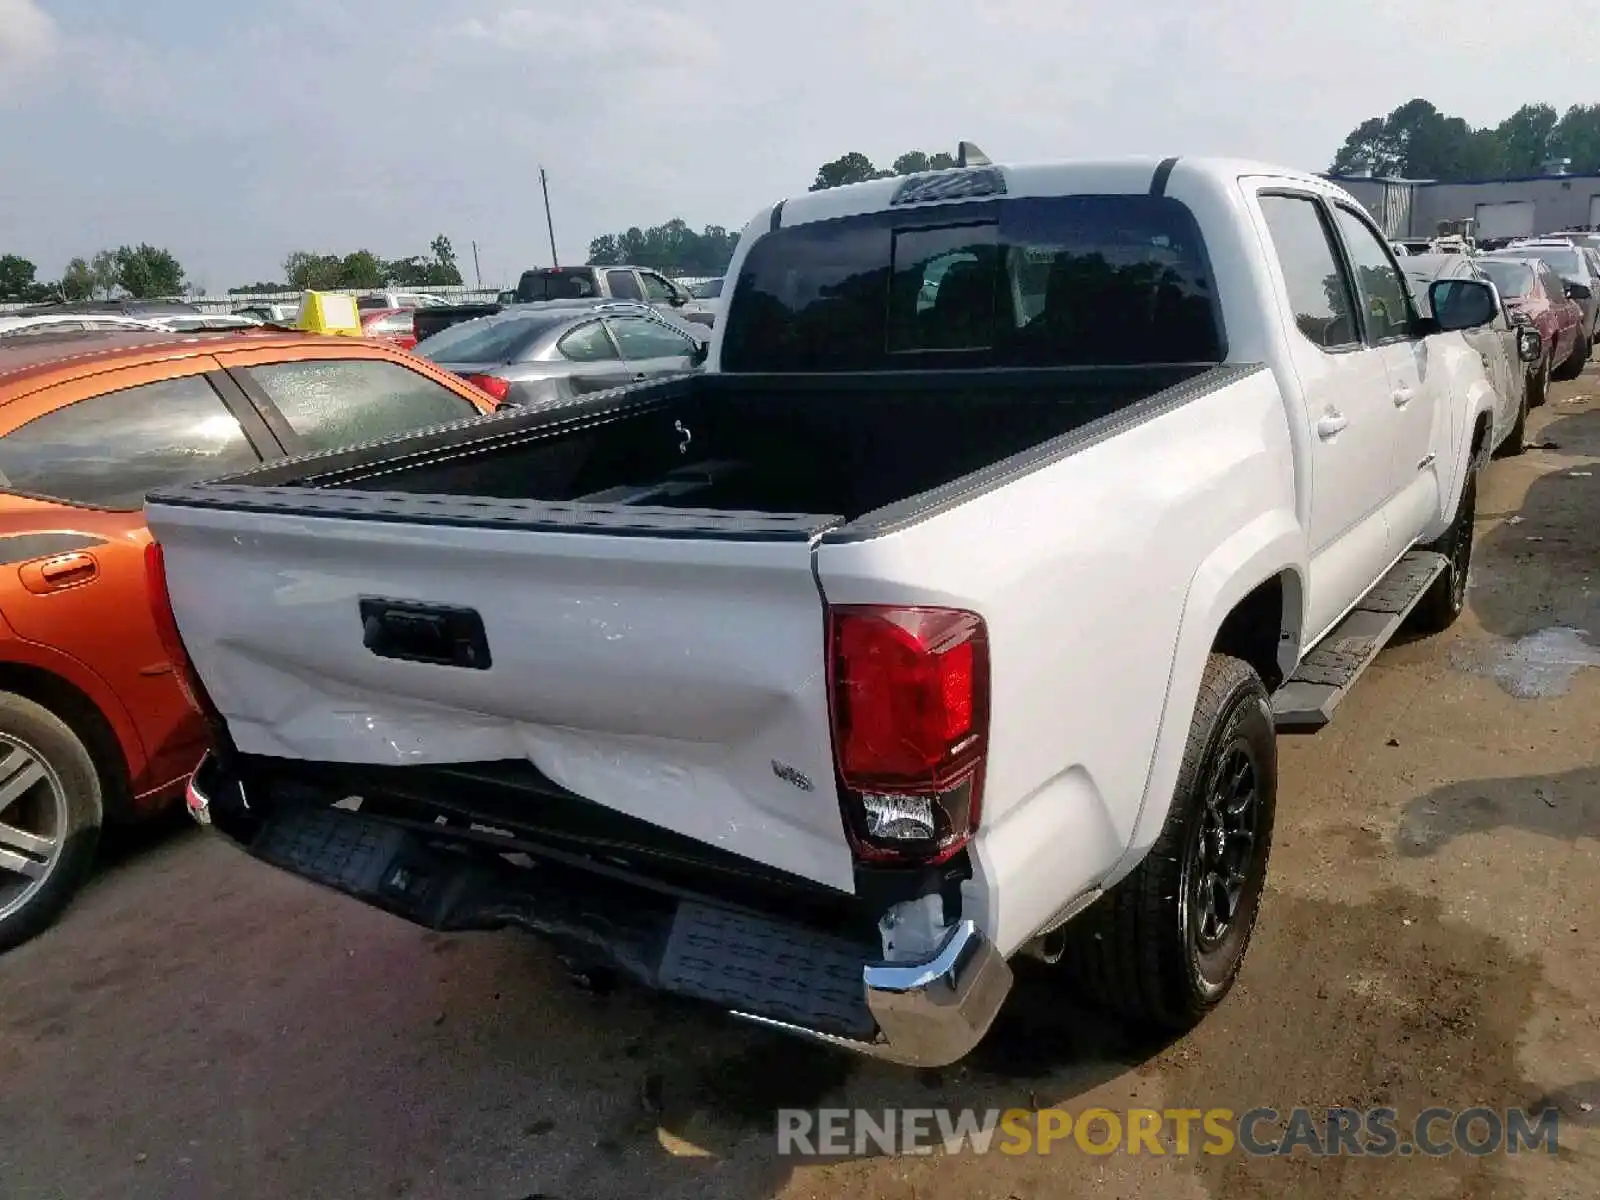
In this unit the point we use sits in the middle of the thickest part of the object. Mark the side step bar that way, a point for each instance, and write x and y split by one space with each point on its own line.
1305 703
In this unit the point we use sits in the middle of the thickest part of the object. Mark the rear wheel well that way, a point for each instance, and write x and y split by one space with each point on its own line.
1480 437
84 718
1254 630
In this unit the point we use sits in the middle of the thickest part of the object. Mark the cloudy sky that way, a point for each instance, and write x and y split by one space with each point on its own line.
235 133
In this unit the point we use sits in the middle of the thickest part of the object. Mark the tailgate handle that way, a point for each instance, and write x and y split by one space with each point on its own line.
411 631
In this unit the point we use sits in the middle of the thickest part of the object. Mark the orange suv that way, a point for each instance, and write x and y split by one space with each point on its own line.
93 723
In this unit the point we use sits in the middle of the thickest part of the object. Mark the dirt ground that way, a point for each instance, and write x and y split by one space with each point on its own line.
202 1026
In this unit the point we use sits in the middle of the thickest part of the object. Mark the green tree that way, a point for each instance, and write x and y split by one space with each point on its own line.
604 251
672 247
360 269
307 271
445 272
103 269
145 271
16 277
1525 138
77 281
1577 136
854 167
914 162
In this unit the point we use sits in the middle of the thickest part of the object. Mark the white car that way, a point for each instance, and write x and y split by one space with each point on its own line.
47 323
903 641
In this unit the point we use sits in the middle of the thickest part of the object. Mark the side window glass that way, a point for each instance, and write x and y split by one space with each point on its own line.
656 288
1383 295
640 338
339 402
1319 291
623 285
108 451
587 343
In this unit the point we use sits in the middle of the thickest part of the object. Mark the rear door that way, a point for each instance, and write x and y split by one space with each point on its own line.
652 348
590 361
103 443
1345 388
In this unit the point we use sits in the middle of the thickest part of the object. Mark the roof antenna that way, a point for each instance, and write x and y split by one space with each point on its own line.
968 155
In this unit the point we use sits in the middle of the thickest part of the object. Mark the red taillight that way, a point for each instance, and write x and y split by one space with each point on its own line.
155 573
909 699
496 387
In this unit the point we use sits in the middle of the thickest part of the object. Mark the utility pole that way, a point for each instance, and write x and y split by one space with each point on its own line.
550 224
477 271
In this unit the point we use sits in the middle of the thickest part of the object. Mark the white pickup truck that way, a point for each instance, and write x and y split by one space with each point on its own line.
947 617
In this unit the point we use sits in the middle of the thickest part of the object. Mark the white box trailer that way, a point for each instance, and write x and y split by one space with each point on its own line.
1511 218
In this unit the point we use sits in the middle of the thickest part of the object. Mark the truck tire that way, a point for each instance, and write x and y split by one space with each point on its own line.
1574 365
1163 947
50 815
1446 597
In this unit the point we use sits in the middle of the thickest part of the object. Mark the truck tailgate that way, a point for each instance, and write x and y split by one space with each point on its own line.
680 680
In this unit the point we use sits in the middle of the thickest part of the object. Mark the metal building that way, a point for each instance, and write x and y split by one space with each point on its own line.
1498 208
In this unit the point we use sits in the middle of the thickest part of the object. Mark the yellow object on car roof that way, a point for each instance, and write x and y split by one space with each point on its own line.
329 312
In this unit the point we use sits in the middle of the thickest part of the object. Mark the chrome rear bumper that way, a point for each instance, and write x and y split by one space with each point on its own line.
929 1014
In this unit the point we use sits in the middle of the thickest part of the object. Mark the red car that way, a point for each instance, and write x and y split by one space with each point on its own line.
390 325
1531 289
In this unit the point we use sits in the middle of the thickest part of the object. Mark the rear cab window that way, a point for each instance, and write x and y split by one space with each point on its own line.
1064 281
557 283
331 403
107 451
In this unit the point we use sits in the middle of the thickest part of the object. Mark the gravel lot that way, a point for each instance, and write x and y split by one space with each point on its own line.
202 1026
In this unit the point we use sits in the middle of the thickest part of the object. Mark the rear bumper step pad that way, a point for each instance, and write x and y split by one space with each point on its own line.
738 960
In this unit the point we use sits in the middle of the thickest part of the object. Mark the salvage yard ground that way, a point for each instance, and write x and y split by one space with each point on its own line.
202 1026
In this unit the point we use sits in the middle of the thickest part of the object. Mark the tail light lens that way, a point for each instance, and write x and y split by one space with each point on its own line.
495 386
155 571
909 703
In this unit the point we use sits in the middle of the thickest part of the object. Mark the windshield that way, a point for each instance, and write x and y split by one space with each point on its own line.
1513 279
1563 258
1089 280
553 283
487 339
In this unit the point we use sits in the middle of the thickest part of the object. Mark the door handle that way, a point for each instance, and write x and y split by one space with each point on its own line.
1331 424
641 377
59 573
1404 395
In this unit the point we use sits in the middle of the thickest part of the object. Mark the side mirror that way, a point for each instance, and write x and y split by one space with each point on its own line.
1528 344
1462 303
701 352
1576 290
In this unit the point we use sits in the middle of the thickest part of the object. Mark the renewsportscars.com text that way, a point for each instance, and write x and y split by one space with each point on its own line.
1257 1132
